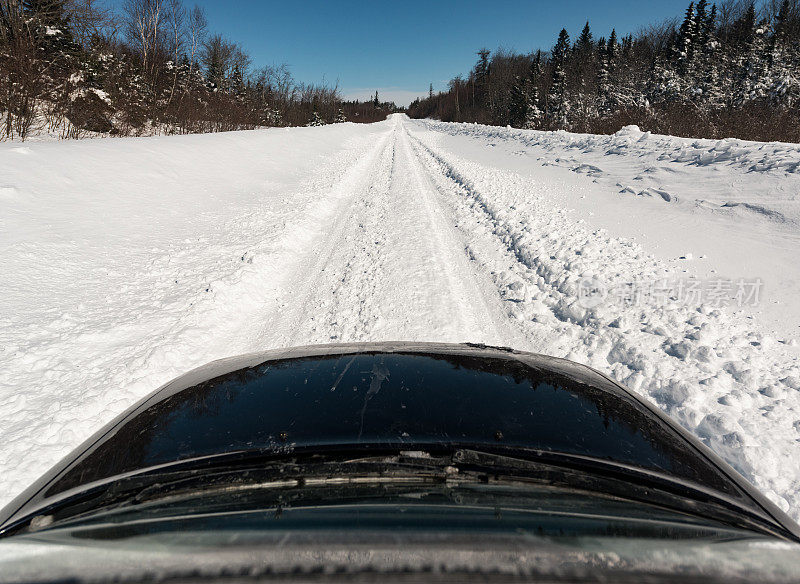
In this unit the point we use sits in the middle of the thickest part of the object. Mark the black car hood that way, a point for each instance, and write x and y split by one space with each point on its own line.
402 396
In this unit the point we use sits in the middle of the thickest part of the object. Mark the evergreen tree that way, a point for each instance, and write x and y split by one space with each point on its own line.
778 40
237 85
518 103
702 26
751 84
684 48
584 73
782 81
707 82
744 28
534 108
316 120
706 67
585 42
604 105
782 21
524 108
49 13
558 108
613 47
375 101
51 31
481 76
215 73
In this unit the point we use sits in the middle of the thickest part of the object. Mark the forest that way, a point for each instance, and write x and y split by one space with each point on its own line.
722 70
72 68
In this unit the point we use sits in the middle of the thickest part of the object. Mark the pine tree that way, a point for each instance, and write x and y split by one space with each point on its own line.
518 103
524 107
778 40
707 70
701 23
316 120
585 42
744 29
684 48
584 73
604 105
613 48
751 84
782 82
534 109
49 13
237 85
375 101
481 84
215 74
782 21
710 31
49 24
602 60
558 108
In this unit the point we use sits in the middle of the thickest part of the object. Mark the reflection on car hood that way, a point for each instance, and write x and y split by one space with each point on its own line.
400 400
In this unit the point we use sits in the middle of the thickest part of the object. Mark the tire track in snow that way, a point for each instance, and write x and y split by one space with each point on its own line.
303 314
390 268
476 311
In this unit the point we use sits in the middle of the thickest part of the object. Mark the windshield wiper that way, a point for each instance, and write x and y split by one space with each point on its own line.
623 481
257 470
231 471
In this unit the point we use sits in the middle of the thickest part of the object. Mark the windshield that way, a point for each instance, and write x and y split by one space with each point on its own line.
398 400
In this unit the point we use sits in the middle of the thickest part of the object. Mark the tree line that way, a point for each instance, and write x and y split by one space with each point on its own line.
70 67
724 70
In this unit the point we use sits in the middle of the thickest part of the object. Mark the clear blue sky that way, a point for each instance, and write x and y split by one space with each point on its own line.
400 47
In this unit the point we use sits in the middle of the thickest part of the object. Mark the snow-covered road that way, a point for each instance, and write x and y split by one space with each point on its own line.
390 266
129 262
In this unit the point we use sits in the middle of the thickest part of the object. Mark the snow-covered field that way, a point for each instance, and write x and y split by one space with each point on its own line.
670 264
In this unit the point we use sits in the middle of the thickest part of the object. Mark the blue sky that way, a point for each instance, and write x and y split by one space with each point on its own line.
400 47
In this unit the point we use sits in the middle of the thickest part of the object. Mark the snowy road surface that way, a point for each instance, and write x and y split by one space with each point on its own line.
128 262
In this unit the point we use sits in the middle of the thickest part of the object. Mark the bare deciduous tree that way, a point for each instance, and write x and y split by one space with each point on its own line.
90 19
176 27
144 28
196 33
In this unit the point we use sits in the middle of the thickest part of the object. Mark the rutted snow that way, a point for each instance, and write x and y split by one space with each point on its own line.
652 161
128 262
738 215
710 369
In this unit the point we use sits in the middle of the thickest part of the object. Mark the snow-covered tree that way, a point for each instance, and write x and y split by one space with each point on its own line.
236 84
524 106
558 106
685 45
316 120
782 75
751 81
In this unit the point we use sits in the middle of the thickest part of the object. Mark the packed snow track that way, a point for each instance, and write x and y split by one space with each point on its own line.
129 262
